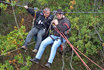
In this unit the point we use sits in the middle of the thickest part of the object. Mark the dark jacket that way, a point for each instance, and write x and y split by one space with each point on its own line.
63 25
40 21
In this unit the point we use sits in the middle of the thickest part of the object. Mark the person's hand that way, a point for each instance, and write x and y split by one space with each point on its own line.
55 22
26 7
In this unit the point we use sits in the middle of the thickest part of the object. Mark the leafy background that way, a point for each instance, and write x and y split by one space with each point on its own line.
87 34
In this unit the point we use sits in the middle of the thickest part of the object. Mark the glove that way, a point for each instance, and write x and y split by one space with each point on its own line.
55 22
26 7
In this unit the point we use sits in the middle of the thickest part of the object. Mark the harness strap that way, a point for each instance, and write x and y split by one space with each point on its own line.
53 38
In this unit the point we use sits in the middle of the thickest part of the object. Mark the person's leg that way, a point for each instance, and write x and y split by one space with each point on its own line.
40 34
55 45
43 45
32 32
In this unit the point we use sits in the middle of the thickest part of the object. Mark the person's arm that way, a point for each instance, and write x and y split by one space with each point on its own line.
53 24
32 12
50 18
38 14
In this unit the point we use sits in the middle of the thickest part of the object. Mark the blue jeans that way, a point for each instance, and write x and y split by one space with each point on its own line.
54 47
35 31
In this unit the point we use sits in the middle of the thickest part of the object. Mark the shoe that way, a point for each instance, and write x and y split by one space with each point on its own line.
48 65
35 60
24 47
35 50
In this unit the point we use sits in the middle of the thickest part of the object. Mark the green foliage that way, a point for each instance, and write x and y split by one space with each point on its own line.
2 6
83 33
6 66
42 2
28 61
14 39
13 3
24 68
19 58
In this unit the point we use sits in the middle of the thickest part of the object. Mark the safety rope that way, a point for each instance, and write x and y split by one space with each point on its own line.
15 50
73 48
10 52
86 56
63 12
89 59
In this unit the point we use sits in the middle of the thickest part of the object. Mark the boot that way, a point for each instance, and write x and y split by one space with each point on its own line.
48 65
35 50
24 47
35 60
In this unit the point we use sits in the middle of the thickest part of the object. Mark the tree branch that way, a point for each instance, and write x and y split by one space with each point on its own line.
71 60
98 34
63 61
